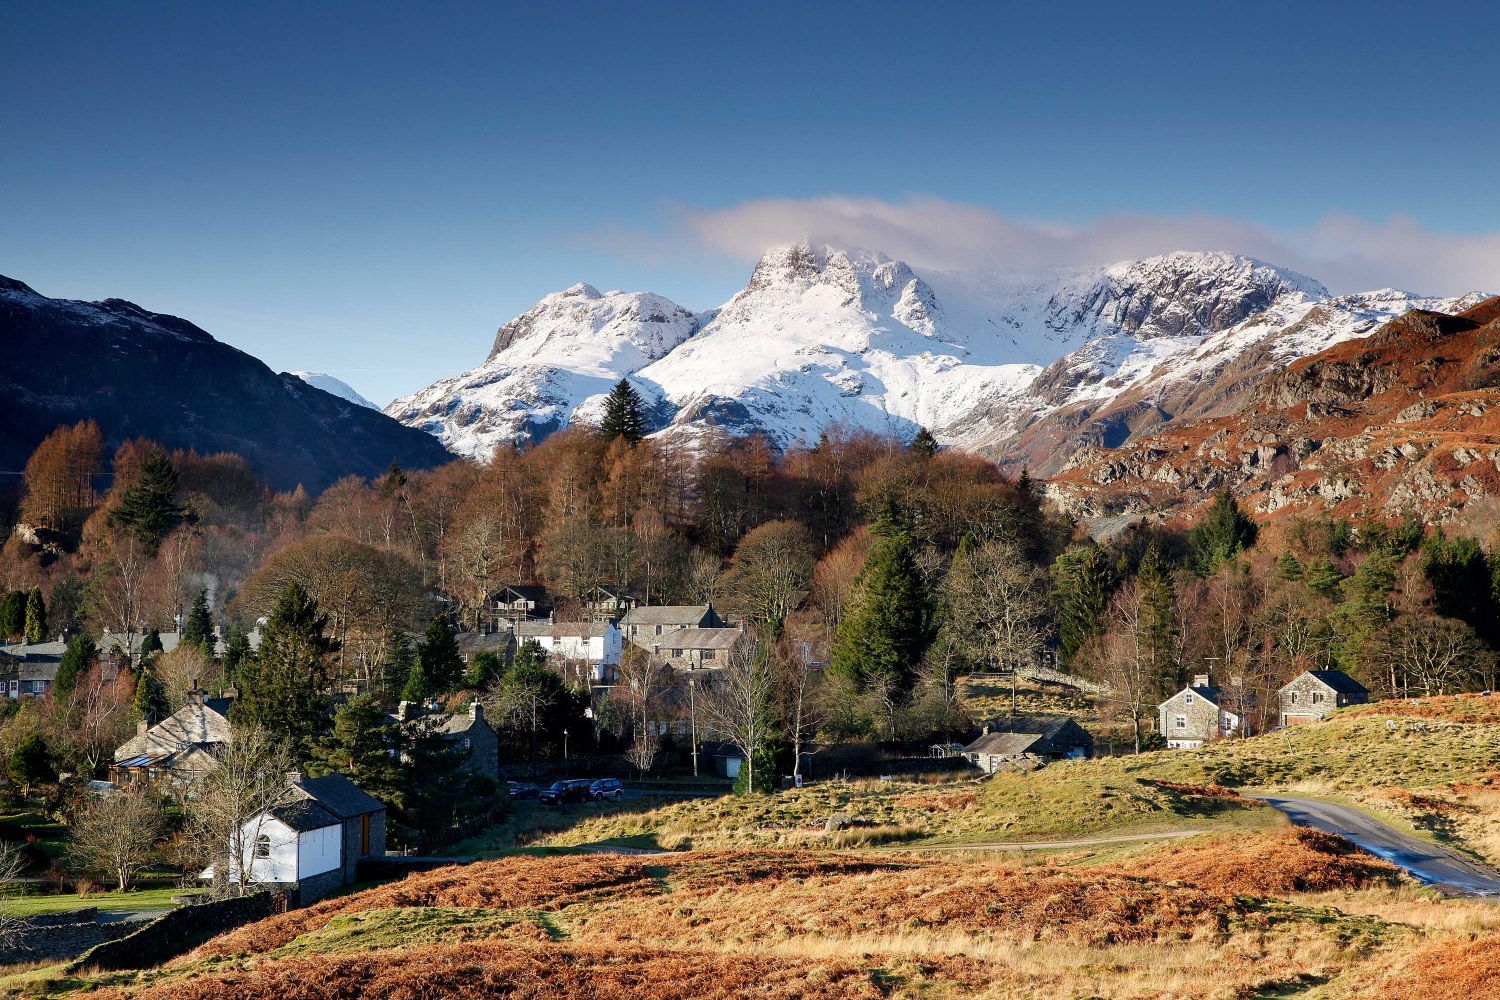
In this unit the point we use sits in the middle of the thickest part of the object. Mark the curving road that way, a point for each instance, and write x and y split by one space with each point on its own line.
1431 864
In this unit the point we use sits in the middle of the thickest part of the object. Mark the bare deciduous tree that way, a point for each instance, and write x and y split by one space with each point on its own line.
997 604
1433 655
1125 663
116 836
12 864
228 811
739 706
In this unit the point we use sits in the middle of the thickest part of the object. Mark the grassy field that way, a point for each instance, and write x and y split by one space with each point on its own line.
1172 922
1433 776
144 899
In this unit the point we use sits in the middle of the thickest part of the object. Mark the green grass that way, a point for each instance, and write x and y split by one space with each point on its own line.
30 825
145 899
1348 758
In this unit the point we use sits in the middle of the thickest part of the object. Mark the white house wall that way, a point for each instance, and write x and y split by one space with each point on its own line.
281 866
319 851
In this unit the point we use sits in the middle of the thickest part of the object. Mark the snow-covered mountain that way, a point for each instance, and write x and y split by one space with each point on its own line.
338 387
1022 365
569 347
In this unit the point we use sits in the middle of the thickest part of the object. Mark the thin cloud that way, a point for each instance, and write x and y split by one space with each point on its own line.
1345 253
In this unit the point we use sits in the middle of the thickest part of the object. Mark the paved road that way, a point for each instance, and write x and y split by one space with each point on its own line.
1431 864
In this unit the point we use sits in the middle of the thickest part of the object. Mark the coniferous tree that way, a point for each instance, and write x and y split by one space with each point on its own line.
1083 580
77 658
150 703
148 508
198 629
283 683
13 614
1158 615
362 745
1289 567
236 651
35 629
1459 573
1325 579
150 644
888 622
624 413
439 659
416 689
924 445
1221 533
31 763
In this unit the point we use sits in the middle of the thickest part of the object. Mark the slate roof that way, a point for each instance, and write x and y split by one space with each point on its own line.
702 638
1340 681
470 643
1041 734
668 614
560 630
191 725
1004 743
302 815
526 591
34 650
340 796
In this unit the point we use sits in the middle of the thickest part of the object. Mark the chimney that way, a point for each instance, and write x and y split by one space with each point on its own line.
986 729
403 712
476 711
294 777
195 693
1200 680
141 727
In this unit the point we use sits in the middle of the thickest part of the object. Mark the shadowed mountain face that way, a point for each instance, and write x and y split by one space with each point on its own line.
143 374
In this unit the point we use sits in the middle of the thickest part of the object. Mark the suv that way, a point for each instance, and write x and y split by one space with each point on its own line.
606 788
523 789
560 792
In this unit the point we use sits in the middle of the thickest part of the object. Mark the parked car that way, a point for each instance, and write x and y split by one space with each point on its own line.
524 789
606 788
562 792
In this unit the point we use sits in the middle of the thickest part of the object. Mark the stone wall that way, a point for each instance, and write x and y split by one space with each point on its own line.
175 932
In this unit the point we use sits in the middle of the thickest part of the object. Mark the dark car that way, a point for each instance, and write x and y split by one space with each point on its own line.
524 789
606 788
561 792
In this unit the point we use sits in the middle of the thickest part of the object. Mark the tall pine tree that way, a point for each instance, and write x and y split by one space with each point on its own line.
1222 532
438 658
1083 580
361 746
148 508
150 704
1159 616
624 413
283 684
889 620
198 630
36 616
924 445
78 657
150 644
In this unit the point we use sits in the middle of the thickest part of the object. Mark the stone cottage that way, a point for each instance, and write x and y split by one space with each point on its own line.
1199 713
1314 694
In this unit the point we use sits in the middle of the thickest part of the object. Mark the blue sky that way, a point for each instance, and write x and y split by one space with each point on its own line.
370 190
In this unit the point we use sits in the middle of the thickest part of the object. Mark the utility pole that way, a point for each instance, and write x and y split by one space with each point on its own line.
565 753
693 719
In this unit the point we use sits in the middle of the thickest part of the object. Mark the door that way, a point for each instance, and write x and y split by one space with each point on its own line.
1296 720
364 835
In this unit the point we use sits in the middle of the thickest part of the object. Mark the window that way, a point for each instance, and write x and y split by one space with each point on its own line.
1294 697
1187 699
263 846
1180 721
467 744
658 630
1317 697
677 652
